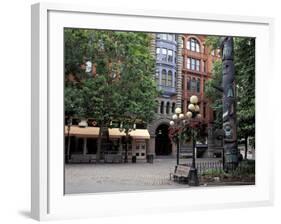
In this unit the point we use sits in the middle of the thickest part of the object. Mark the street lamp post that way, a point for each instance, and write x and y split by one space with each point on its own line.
195 117
178 122
191 118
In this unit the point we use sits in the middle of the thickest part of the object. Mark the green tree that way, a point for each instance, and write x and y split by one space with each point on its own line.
245 73
120 82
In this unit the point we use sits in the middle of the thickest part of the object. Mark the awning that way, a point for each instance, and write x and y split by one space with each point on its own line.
136 134
90 132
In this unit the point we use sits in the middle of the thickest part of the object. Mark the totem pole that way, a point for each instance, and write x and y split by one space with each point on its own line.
229 105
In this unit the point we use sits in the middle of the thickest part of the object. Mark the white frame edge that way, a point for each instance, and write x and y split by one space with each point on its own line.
39 115
39 92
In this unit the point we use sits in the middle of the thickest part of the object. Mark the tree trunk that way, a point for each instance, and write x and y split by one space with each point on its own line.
246 147
98 155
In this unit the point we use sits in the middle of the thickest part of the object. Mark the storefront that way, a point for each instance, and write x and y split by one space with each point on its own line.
138 142
83 144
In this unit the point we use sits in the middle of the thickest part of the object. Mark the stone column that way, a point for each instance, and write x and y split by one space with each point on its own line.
85 150
151 145
179 70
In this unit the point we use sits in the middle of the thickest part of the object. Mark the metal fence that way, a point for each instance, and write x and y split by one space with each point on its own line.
217 167
204 166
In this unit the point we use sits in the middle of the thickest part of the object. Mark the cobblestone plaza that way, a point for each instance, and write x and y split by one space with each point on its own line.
95 178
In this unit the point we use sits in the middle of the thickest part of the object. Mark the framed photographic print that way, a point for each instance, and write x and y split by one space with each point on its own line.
161 111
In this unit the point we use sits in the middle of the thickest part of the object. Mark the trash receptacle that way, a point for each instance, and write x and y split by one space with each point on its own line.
150 158
134 159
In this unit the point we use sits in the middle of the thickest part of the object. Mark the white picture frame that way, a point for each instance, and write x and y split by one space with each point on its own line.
48 200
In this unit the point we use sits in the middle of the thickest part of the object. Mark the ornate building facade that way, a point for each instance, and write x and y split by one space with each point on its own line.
197 69
183 65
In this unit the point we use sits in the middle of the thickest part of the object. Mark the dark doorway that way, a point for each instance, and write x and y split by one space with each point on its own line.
163 145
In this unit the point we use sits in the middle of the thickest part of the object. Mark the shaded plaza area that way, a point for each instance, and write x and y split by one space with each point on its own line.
106 177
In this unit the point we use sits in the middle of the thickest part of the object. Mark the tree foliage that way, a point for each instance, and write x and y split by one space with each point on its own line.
120 83
244 61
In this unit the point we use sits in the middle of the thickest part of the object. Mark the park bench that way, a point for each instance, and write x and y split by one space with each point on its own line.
180 174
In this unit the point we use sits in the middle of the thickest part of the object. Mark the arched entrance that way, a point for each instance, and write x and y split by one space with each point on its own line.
163 145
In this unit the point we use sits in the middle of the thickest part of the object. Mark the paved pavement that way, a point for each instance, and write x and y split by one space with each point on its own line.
94 178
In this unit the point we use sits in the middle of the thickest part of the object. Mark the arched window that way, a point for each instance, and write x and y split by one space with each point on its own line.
193 45
170 77
173 107
167 107
164 77
198 86
188 84
162 107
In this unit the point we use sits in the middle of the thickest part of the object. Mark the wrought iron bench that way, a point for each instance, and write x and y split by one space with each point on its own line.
180 174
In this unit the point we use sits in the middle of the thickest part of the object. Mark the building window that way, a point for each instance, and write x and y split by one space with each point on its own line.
157 76
173 107
164 54
162 107
164 36
158 54
193 85
167 107
170 37
193 45
188 84
169 79
170 56
175 79
164 77
197 65
198 86
158 36
193 64
188 63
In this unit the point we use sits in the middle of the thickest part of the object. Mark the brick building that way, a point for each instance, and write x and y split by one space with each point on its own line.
183 65
197 69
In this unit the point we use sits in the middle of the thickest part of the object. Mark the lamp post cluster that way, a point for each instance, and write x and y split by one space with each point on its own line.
191 119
